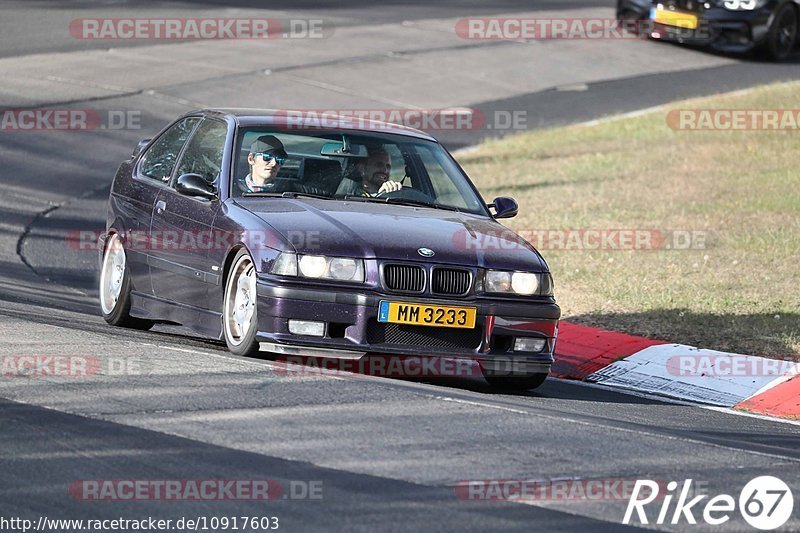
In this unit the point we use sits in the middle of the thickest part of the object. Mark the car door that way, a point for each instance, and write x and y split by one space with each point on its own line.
179 266
149 176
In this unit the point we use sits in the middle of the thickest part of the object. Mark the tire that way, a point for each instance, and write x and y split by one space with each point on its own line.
239 307
782 35
629 15
515 383
115 288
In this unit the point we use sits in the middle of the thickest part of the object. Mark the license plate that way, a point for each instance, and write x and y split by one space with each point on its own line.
427 315
674 18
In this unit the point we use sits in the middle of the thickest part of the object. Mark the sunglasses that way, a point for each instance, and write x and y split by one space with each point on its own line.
279 160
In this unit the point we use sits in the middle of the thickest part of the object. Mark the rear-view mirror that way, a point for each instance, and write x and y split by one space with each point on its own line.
337 149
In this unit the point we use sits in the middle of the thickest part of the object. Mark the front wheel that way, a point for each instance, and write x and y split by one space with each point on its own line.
515 383
115 288
240 312
631 21
782 36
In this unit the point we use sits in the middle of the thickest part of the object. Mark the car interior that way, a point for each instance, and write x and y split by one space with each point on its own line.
317 166
303 173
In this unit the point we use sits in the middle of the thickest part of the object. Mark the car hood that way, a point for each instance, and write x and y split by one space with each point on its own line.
385 231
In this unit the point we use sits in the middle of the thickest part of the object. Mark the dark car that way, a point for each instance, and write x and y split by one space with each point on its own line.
731 26
296 266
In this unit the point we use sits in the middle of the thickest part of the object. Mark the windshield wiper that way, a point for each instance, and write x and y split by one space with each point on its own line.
295 194
363 198
420 203
287 194
401 201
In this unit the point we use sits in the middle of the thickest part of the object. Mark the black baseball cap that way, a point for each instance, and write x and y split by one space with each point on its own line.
268 143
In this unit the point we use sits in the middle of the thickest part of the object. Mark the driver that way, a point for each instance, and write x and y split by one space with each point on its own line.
370 176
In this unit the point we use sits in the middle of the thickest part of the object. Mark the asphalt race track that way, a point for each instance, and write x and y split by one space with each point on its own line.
385 454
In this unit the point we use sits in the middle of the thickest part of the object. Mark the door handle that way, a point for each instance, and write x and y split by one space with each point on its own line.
160 206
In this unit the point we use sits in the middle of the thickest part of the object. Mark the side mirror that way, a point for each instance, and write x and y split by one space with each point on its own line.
194 185
141 146
504 207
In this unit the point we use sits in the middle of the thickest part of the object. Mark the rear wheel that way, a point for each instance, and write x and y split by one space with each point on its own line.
515 383
115 287
240 312
782 36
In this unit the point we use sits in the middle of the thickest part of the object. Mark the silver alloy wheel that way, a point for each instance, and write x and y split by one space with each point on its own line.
240 300
113 274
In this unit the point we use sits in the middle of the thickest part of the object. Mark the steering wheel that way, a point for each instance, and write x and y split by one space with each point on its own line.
407 194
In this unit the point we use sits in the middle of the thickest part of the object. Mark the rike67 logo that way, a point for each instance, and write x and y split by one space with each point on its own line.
766 503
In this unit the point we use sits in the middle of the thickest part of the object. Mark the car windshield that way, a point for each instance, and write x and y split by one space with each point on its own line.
389 168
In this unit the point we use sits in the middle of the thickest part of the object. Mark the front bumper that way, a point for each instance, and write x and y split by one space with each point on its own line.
720 29
352 329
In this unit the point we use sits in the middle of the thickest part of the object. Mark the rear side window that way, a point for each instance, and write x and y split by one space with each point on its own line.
203 154
159 160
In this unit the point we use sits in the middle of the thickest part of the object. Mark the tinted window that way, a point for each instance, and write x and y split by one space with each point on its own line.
203 154
160 158
422 168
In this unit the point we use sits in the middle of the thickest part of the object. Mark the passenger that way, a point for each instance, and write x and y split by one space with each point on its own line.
370 176
266 156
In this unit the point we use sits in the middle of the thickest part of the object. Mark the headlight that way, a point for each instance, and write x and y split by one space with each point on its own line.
523 283
342 268
319 267
313 266
498 281
743 5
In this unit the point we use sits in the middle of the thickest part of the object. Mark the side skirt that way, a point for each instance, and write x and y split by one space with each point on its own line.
204 322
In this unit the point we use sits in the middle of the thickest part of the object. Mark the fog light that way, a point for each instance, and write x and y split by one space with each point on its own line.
529 344
306 327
